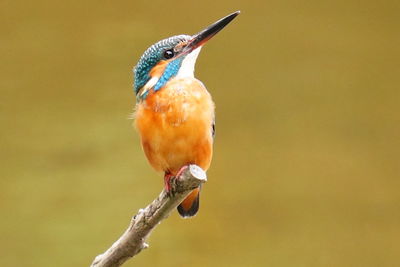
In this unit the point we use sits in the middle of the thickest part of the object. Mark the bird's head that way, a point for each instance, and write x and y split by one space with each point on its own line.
171 57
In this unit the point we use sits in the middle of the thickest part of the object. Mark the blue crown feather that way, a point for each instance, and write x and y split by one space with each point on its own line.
152 56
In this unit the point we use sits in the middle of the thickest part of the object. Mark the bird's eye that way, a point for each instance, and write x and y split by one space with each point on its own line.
169 54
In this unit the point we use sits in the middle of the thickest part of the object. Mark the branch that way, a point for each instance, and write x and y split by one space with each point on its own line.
133 240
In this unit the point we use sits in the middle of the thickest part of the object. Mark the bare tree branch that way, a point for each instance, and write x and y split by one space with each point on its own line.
133 240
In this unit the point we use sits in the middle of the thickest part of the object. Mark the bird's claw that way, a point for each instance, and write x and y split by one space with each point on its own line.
169 179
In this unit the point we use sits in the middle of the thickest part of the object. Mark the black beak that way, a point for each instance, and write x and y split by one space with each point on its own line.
206 34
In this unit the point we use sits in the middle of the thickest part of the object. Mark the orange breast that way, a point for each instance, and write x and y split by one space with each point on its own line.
175 125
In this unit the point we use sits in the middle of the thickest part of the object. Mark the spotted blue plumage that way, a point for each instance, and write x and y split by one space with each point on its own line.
150 59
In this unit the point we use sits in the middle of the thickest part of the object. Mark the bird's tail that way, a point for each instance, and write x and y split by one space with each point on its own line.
190 205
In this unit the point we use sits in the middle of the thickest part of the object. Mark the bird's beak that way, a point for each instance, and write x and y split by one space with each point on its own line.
202 37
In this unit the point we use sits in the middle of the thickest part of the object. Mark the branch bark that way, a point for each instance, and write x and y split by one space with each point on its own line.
133 240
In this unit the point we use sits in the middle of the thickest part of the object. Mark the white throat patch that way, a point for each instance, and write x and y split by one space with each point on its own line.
187 67
185 71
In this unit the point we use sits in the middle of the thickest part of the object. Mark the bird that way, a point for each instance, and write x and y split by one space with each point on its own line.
174 112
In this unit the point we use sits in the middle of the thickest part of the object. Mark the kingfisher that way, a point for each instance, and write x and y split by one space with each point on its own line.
174 112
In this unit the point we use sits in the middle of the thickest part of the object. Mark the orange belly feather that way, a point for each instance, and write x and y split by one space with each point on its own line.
175 125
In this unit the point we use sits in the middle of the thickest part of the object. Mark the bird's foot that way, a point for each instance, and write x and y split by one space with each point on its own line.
181 171
167 182
169 179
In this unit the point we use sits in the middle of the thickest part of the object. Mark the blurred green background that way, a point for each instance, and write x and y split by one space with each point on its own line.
306 167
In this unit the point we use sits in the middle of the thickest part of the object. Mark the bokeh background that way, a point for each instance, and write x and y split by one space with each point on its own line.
306 168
